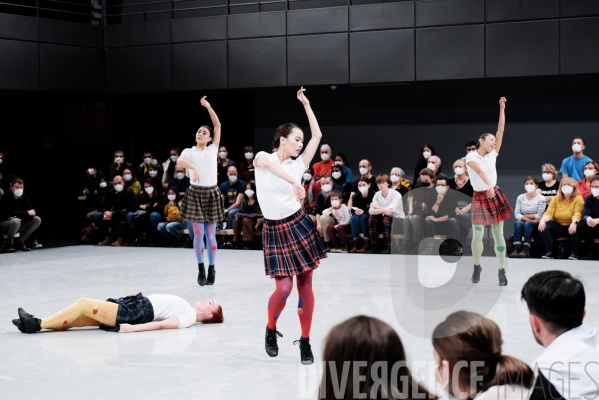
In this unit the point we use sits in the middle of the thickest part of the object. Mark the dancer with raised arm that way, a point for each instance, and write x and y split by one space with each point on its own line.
489 204
203 204
292 246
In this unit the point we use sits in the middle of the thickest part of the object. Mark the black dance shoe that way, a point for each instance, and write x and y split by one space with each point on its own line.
548 256
201 274
270 342
502 277
476 274
19 324
305 351
211 275
30 323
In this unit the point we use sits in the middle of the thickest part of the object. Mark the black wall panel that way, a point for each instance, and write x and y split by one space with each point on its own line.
318 59
515 10
257 25
579 8
450 53
198 66
382 56
449 12
199 29
319 20
70 69
138 69
307 4
19 65
381 16
18 27
257 63
73 33
147 33
579 46
523 48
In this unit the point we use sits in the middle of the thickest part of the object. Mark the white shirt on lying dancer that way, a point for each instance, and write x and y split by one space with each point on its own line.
168 306
393 201
487 165
505 392
277 200
341 214
571 363
205 162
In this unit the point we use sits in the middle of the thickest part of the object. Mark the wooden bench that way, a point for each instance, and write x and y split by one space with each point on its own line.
4 235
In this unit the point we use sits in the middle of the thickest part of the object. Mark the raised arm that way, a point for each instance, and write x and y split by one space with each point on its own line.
215 121
501 125
264 162
312 146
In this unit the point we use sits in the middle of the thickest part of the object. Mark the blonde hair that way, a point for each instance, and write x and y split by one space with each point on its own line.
463 162
567 181
551 169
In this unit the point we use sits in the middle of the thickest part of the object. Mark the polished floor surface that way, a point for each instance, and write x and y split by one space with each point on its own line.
228 361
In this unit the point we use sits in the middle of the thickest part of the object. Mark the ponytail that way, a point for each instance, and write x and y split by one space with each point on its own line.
283 130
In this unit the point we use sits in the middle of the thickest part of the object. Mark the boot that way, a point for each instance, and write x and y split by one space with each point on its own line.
201 274
270 342
366 247
502 277
30 323
119 242
354 247
305 351
106 242
19 324
21 246
525 253
517 250
476 274
211 275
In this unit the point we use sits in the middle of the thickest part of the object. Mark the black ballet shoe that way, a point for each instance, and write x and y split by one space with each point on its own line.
201 274
211 275
270 342
305 351
31 324
502 277
19 324
476 274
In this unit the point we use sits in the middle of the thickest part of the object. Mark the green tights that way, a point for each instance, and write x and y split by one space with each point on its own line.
478 231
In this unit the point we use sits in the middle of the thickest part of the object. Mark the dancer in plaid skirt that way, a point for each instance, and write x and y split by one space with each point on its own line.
292 245
203 204
489 204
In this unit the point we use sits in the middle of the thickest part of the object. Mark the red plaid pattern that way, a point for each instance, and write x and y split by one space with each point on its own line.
490 211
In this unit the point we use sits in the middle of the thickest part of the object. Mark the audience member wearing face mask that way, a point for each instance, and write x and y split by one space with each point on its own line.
171 228
386 208
365 170
562 217
340 184
246 167
312 188
341 160
180 181
118 165
573 166
549 185
421 199
397 176
591 170
434 164
223 165
154 174
470 148
323 167
246 218
529 210
17 216
148 215
337 230
425 153
168 167
323 201
131 182
360 215
91 183
461 184
143 168
232 191
588 228
440 219
118 202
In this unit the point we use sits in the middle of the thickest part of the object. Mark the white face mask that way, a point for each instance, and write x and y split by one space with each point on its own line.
335 203
18 192
431 166
324 156
547 177
363 171
119 160
153 173
127 177
148 160
529 188
233 178
589 172
172 197
363 189
103 184
472 151
90 171
307 177
339 163
440 189
426 154
0 161
222 154
459 171
336 175
576 148
119 187
595 192
249 156
174 158
567 189
149 190
326 188
249 193
394 178
180 175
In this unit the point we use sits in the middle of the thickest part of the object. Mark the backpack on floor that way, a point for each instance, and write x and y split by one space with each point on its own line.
90 234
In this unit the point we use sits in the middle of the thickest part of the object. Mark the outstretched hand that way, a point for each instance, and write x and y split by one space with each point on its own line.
302 97
502 103
299 192
204 102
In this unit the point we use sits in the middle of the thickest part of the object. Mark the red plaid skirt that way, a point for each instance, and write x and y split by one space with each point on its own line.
490 211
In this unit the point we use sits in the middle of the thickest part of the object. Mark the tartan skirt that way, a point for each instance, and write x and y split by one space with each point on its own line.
133 310
292 245
490 211
202 204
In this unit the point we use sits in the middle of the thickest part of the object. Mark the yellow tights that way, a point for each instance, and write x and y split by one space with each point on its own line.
84 312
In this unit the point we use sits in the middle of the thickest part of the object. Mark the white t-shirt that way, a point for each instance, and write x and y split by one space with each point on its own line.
277 200
168 306
341 214
205 162
487 164
505 392
393 200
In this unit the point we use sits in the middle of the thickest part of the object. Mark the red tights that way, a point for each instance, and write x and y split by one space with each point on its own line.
305 307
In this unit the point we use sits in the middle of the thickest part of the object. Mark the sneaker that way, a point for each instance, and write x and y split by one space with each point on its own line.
573 256
476 274
502 277
270 342
341 250
334 250
386 250
548 255
305 351
37 245
119 242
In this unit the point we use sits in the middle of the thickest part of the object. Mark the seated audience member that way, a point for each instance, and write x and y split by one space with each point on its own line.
359 220
422 197
365 168
246 168
364 347
246 218
92 179
118 165
103 188
180 181
174 224
550 185
530 207
484 373
568 367
154 174
322 168
312 188
588 228
224 163
131 182
440 220
386 205
336 231
340 184
425 153
323 201
341 160
143 168
562 216
148 214
591 170
168 167
118 202
573 166
470 147
461 183
17 216
434 164
396 176
232 192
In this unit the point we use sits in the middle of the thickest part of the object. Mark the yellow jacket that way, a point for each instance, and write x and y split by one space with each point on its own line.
565 213
171 212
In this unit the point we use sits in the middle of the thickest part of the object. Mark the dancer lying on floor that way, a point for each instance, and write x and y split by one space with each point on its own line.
127 314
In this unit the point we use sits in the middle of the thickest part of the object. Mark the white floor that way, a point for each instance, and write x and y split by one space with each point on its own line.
228 361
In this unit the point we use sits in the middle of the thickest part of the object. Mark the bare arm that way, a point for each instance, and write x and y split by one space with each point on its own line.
215 122
501 125
237 202
264 162
312 146
474 165
171 323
